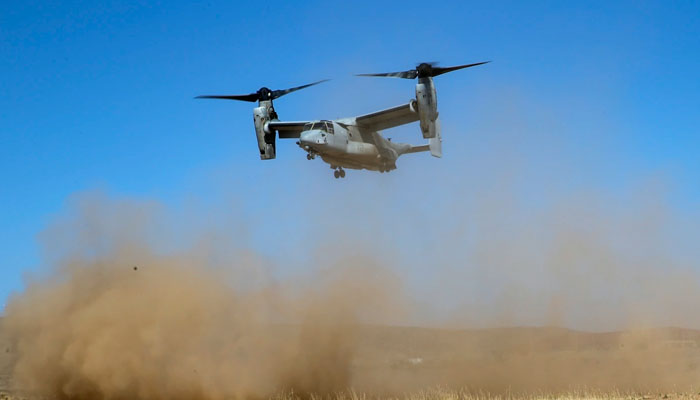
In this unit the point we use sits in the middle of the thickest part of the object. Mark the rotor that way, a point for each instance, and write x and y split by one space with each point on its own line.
261 95
424 70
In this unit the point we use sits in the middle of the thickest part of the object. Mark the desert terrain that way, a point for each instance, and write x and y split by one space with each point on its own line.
422 363
5 361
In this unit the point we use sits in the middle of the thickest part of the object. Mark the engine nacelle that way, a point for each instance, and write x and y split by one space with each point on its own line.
266 141
426 99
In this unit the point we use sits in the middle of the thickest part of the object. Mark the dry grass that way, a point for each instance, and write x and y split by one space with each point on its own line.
448 394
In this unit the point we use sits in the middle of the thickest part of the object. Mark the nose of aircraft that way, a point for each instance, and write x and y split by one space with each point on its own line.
313 138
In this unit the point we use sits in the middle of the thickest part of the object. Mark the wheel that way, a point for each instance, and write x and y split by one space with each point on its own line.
336 174
342 173
308 157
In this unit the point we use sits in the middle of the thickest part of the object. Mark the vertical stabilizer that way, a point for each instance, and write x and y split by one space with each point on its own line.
435 143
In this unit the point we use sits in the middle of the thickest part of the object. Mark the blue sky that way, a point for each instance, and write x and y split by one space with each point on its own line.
588 97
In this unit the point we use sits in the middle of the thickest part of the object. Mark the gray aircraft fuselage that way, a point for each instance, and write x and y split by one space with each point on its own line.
343 145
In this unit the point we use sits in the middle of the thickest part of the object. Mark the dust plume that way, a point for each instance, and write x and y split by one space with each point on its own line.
116 317
495 238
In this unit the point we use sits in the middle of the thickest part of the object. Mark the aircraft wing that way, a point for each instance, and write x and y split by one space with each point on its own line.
287 129
388 118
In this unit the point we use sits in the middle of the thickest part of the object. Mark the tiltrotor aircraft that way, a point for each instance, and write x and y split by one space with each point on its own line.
354 142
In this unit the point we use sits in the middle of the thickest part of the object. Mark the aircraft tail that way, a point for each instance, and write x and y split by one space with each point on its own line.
435 144
417 149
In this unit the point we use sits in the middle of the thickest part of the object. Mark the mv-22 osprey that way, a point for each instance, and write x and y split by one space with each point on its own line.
354 142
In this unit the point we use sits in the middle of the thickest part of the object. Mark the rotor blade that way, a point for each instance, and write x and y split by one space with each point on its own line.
280 93
439 70
253 97
410 74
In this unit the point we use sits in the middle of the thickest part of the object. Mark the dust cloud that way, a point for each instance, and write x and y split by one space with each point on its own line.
126 309
116 317
133 304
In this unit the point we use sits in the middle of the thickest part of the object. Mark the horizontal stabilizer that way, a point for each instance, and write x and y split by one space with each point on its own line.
418 149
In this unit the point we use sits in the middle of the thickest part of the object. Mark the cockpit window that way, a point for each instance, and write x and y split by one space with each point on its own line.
325 126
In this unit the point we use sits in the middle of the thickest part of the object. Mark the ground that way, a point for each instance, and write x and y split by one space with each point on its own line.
413 363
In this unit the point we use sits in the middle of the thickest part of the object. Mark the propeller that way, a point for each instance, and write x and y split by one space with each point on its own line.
262 94
424 70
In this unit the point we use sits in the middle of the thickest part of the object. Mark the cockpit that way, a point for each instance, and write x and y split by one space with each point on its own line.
325 126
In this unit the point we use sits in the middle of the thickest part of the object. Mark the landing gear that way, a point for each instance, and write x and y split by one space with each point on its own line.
385 168
310 156
339 173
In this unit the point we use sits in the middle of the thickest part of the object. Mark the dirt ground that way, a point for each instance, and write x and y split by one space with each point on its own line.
528 360
5 361
495 363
